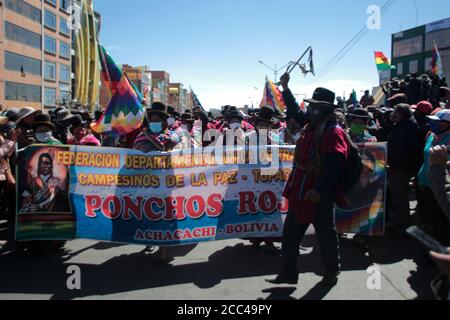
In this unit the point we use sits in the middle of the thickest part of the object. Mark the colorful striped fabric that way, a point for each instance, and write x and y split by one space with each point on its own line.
436 63
382 61
112 73
273 97
125 112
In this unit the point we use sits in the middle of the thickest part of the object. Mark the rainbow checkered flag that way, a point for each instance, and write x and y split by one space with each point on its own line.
112 73
436 63
125 112
273 97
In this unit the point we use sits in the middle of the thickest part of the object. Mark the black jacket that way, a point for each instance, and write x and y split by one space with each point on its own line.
404 147
293 109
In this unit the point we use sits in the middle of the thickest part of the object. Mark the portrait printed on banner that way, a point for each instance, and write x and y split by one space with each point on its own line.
45 184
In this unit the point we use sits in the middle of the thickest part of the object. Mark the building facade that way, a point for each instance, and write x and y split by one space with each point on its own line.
160 86
412 49
146 83
178 97
35 52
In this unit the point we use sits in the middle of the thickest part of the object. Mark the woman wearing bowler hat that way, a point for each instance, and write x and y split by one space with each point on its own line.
43 130
359 120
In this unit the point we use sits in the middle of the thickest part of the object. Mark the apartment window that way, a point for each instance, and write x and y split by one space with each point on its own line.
413 66
52 2
23 36
63 28
24 9
22 92
408 47
64 50
400 68
64 95
64 4
50 71
50 97
22 64
441 38
64 74
50 45
50 20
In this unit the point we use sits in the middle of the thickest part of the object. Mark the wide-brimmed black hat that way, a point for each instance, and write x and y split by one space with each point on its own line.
187 117
265 114
171 111
87 116
323 96
75 111
235 114
12 114
77 121
42 120
159 109
360 114
64 115
24 113
397 99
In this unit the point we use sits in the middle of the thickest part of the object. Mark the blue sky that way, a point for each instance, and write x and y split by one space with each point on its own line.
214 45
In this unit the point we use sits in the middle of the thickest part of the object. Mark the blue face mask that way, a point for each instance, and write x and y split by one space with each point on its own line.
155 127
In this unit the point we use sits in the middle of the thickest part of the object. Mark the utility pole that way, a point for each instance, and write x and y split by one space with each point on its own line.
274 70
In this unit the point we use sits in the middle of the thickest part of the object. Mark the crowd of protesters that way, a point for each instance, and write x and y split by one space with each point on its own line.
414 120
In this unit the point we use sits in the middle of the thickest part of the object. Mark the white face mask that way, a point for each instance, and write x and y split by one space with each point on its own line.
43 136
185 127
235 126
171 121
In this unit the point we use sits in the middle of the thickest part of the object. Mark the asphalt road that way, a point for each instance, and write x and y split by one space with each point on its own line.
224 270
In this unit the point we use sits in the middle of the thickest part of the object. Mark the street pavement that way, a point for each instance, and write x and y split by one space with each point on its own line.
223 270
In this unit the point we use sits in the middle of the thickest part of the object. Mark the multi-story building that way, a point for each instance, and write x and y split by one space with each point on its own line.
189 102
177 96
146 82
160 86
412 49
36 53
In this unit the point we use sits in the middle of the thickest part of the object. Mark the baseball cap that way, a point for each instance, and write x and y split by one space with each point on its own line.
443 115
425 107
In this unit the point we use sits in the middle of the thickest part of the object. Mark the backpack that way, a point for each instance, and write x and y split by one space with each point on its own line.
353 167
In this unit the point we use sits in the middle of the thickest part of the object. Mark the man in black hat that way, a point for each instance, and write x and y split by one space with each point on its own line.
23 124
263 120
155 134
320 156
359 121
189 135
62 124
78 130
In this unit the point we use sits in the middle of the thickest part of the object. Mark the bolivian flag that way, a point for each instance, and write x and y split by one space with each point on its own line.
382 61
